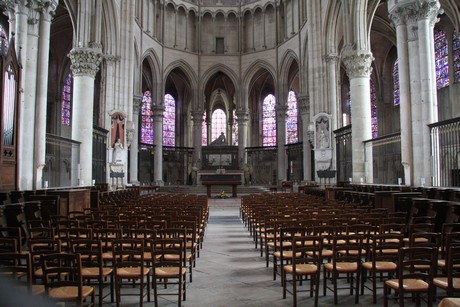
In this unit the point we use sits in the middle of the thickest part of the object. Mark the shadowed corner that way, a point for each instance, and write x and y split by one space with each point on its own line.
13 294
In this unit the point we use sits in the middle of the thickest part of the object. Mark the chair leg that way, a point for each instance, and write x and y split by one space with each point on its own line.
334 282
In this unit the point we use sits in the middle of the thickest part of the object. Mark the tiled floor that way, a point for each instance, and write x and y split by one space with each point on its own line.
231 273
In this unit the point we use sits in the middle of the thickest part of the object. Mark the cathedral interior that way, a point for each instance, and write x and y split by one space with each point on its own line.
156 93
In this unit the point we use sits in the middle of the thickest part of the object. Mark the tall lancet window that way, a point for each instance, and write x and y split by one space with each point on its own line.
374 120
292 116
218 124
66 103
269 121
456 56
441 59
169 121
204 131
147 119
396 98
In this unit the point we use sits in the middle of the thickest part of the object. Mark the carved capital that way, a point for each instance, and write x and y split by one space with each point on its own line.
137 104
304 103
111 59
358 63
332 58
85 61
242 116
158 112
281 112
197 117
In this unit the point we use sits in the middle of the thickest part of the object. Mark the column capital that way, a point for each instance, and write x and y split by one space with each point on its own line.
358 63
111 59
197 117
281 112
158 112
331 58
403 11
242 116
137 104
85 61
304 103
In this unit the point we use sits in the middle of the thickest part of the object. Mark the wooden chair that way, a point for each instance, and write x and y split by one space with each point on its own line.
347 260
63 278
169 268
383 259
39 247
93 269
17 267
451 282
416 268
129 265
307 263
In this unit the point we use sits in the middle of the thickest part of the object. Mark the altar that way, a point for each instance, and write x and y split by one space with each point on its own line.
229 179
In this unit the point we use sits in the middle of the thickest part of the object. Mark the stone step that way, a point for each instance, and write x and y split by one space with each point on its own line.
216 189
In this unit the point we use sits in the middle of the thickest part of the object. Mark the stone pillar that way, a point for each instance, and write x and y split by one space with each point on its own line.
358 67
427 15
332 93
414 22
243 116
85 64
281 114
399 19
304 106
197 117
158 142
132 134
46 12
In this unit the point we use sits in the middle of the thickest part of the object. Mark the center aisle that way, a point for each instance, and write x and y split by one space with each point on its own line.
230 271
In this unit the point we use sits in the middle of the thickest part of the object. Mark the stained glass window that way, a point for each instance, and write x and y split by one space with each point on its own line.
169 121
396 97
374 125
441 59
66 106
235 129
218 124
204 130
147 119
269 121
456 56
3 40
292 117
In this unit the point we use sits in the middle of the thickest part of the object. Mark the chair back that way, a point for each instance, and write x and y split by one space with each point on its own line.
417 263
62 270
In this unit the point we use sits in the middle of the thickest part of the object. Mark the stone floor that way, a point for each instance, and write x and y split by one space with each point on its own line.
231 273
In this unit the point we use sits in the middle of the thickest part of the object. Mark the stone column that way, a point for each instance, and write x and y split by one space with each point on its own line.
133 140
281 114
242 118
46 11
427 15
85 64
197 118
398 17
332 90
158 142
358 67
304 107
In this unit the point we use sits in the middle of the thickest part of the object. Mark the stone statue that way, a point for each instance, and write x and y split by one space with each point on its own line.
323 140
117 155
195 170
220 140
247 173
